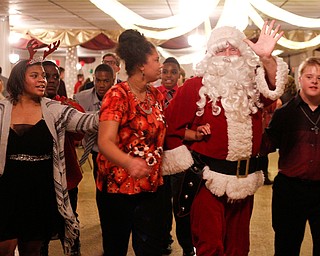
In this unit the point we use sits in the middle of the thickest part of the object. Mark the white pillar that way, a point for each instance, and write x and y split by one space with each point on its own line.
4 45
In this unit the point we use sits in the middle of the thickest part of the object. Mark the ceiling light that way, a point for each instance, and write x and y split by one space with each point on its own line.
230 14
14 58
14 37
196 40
13 11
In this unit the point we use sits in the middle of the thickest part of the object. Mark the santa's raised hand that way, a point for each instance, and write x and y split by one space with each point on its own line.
267 40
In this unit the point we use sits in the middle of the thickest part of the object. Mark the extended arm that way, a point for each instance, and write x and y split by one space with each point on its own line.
264 47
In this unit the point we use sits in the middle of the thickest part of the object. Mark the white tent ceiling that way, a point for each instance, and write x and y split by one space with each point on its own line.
84 15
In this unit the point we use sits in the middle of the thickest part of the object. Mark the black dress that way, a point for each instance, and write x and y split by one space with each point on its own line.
28 208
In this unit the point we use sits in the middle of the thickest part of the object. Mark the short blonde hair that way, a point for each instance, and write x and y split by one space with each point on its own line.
312 61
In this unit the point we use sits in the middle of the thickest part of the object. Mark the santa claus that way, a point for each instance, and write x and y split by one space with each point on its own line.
218 116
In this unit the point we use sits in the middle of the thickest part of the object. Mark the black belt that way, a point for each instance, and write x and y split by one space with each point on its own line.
240 168
193 176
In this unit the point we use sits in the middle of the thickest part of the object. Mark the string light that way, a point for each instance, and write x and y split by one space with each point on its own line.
70 69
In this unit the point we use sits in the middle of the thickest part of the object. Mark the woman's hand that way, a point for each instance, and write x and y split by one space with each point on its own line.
137 167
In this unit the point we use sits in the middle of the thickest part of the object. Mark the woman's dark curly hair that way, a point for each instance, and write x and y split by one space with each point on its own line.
16 80
133 48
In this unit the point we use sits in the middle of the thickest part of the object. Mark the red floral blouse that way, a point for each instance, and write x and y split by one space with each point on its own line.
140 134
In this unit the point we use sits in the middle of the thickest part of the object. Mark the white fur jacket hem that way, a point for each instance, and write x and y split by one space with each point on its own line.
176 160
235 188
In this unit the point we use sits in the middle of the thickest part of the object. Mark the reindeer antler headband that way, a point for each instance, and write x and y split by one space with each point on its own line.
33 44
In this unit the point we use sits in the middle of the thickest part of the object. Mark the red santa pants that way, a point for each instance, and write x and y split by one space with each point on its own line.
220 228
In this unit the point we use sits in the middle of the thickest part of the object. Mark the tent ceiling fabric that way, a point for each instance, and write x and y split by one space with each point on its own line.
79 22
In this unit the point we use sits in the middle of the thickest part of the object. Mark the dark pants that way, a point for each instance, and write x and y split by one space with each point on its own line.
294 202
183 228
173 185
167 213
95 165
141 214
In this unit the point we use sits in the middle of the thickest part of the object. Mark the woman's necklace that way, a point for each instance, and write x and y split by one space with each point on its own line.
145 106
315 128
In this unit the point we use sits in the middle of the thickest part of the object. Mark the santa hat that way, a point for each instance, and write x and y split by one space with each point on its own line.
225 34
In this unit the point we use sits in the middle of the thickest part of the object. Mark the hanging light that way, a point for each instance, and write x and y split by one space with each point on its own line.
14 58
230 14
14 37
196 40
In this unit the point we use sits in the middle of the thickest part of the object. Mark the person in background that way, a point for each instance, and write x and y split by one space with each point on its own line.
290 91
87 81
169 77
233 82
79 83
91 100
1 90
73 172
131 135
264 160
4 81
182 77
294 130
113 61
62 91
33 185
169 85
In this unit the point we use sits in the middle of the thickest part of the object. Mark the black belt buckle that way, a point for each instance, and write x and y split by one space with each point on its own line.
247 159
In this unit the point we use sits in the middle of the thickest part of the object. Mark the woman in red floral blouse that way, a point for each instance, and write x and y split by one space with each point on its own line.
131 136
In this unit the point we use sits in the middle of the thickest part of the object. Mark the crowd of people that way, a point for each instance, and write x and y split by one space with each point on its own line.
190 149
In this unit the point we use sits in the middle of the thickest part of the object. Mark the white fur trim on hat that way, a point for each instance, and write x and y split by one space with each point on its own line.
225 33
235 188
281 80
176 160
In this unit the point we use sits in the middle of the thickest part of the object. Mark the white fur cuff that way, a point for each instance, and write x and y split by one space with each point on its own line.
235 188
281 80
176 160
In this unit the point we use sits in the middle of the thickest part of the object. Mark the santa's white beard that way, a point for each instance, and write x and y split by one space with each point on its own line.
232 81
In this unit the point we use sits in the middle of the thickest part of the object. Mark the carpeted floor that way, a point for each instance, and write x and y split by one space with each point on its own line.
261 230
